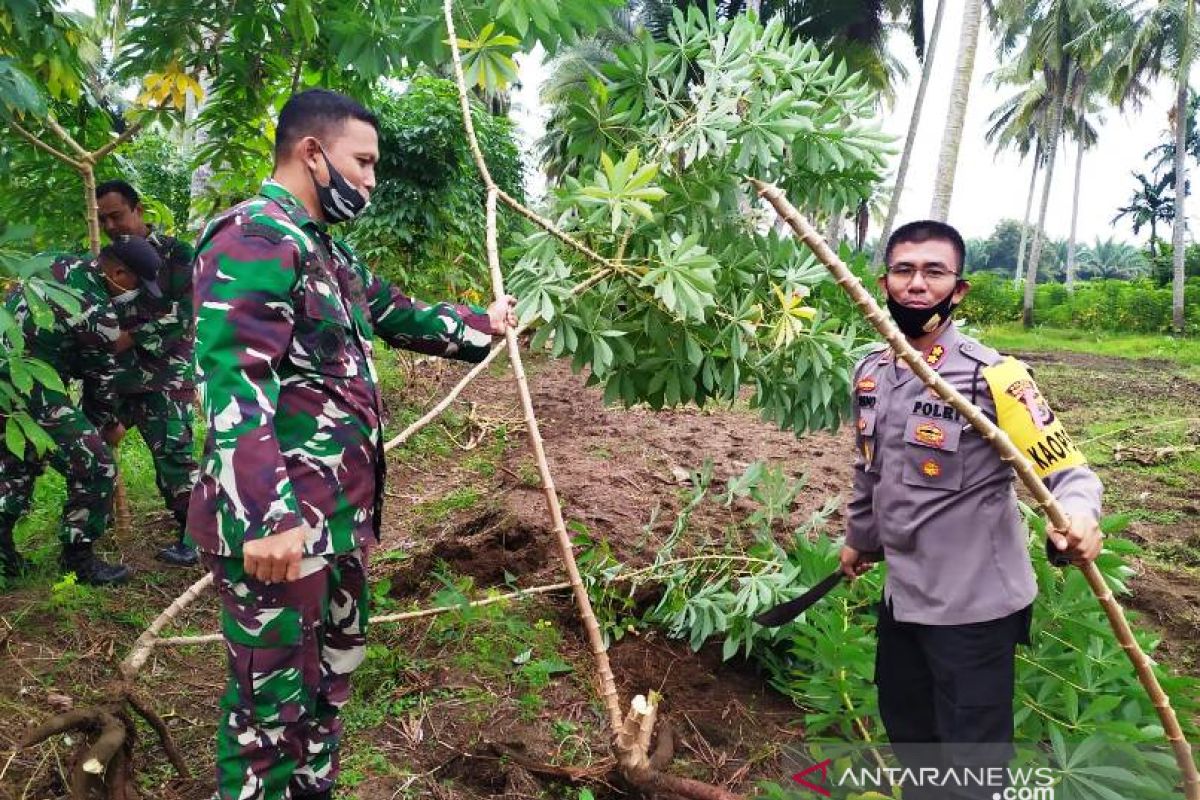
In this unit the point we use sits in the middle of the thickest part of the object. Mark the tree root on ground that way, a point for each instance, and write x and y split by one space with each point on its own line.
635 764
103 762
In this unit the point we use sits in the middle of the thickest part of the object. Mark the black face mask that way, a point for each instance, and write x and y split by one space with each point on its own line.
916 322
339 200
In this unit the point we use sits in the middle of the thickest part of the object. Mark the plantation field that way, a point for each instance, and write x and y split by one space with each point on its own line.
499 701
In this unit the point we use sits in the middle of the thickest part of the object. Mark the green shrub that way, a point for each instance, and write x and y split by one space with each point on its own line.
1137 306
425 226
992 300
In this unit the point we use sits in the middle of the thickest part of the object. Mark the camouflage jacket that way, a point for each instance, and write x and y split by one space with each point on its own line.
162 328
285 318
78 344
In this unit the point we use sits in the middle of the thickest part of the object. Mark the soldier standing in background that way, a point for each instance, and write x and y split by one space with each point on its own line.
77 346
155 386
292 476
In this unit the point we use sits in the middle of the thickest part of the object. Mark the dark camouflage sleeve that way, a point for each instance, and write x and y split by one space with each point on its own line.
244 322
461 332
94 331
159 336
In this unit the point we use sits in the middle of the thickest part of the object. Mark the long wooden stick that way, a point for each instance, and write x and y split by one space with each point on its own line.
644 776
477 370
1008 453
404 616
608 684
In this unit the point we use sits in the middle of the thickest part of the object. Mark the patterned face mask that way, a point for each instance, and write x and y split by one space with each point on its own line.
916 322
123 295
340 200
126 297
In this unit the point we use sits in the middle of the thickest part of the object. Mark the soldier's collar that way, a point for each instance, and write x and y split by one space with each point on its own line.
274 190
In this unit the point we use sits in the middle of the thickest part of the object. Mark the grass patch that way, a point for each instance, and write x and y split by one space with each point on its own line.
1012 337
441 508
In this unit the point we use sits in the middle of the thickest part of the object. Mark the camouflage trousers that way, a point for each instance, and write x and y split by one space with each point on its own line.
80 455
165 422
291 648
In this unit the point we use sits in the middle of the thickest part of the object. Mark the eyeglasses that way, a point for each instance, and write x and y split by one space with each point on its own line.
904 273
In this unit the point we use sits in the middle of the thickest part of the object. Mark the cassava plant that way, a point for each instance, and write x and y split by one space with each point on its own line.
1078 708
705 298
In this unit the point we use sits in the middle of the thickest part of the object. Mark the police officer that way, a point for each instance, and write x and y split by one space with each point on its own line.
80 344
291 479
936 498
155 386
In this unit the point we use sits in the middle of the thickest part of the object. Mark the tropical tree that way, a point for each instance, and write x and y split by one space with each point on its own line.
1151 205
1108 258
702 303
1085 135
960 91
254 54
1020 122
1164 43
910 138
855 31
1059 39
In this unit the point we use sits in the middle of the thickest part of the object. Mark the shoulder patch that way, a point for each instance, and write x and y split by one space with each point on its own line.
1025 416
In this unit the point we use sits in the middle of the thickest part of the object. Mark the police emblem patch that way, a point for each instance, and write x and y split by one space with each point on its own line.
1027 393
930 435
866 384
931 468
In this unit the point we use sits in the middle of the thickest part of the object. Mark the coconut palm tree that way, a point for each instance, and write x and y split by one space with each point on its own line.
1151 205
1061 40
911 137
1019 122
960 92
1164 42
1085 136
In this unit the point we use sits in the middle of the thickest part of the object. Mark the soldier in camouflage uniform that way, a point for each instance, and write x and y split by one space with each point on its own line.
291 479
155 386
77 345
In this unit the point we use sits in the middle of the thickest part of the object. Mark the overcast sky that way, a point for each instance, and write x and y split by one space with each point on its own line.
988 186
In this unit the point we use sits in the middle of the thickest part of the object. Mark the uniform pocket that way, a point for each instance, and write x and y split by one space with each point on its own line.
271 657
322 330
931 457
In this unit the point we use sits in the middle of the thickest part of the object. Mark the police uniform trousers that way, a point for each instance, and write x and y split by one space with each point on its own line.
291 649
946 695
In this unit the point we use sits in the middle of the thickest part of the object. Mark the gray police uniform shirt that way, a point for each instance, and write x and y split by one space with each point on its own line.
936 498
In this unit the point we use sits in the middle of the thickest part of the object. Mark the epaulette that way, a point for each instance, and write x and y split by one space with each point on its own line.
262 231
979 353
877 350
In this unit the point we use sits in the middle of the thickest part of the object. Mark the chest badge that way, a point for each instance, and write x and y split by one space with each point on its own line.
866 384
930 435
931 468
